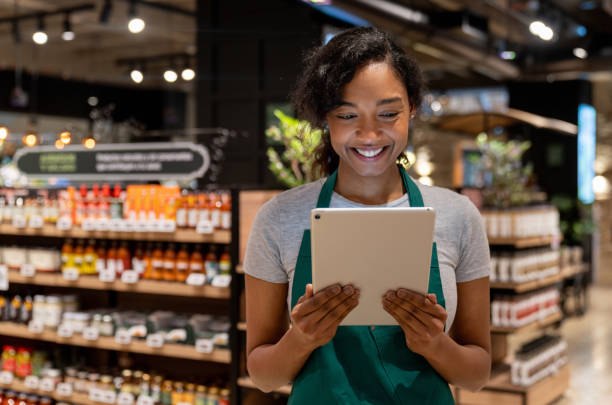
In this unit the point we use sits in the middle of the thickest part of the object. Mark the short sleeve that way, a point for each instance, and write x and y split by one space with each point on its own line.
474 255
263 257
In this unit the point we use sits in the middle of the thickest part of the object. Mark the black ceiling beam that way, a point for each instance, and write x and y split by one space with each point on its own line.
153 58
60 11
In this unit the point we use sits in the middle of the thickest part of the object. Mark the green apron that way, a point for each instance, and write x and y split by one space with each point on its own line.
362 364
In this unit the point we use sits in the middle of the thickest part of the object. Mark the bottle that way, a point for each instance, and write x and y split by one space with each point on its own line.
9 358
15 308
213 396
111 257
200 396
215 210
148 262
196 261
156 388
92 201
101 257
177 394
226 211
89 258
138 260
166 393
79 252
158 262
104 203
192 211
124 259
145 385
224 397
170 263
182 264
25 314
67 255
116 206
211 264
225 262
181 212
80 205
204 214
189 394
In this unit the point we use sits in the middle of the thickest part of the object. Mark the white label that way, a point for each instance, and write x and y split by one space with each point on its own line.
4 282
204 346
27 270
65 331
31 382
129 277
70 274
142 226
109 397
36 221
226 220
6 377
196 279
167 225
205 227
91 333
155 340
64 389
19 221
145 400
222 280
125 398
95 395
35 327
115 224
64 224
123 337
107 275
127 225
88 224
102 224
47 384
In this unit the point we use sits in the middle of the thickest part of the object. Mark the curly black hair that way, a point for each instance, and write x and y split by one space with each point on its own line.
330 67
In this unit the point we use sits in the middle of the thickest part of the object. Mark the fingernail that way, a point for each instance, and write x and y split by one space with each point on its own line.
390 294
402 293
348 290
336 289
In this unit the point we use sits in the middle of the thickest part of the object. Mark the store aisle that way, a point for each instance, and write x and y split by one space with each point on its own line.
590 352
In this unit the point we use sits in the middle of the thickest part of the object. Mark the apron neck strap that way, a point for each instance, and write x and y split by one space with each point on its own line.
414 195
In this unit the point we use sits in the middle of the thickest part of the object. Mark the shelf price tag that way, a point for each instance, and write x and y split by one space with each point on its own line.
64 389
221 280
88 224
205 227
141 226
155 340
91 333
95 395
125 398
6 377
64 331
114 225
4 281
107 275
47 384
101 224
109 397
27 270
126 226
196 279
204 346
145 400
19 221
167 225
36 221
70 274
123 337
129 277
31 382
35 327
64 224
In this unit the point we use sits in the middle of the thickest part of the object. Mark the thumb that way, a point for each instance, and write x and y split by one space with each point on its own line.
433 298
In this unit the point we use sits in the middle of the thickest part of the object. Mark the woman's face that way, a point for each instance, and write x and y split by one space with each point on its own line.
370 127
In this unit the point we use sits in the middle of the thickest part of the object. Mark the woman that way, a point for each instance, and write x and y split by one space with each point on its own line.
363 91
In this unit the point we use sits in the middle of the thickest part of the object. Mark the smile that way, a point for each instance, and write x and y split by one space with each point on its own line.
369 153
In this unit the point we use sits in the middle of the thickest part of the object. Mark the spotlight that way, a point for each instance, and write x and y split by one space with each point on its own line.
65 137
188 74
89 142
40 36
3 133
30 140
541 30
436 106
580 53
170 75
136 24
547 33
59 144
136 75
68 34
536 27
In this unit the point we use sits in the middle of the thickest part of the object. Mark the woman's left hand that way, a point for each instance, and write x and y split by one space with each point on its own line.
420 317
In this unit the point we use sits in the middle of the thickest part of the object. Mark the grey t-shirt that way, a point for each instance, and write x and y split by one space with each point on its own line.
274 241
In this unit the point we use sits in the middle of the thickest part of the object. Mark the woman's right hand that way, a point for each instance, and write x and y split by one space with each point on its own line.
316 317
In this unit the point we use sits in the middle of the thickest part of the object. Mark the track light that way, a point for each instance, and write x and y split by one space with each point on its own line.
170 75
580 53
67 34
106 11
541 30
30 140
3 133
136 24
65 137
40 36
89 142
136 75
188 74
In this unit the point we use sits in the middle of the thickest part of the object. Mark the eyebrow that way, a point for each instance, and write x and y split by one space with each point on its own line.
378 103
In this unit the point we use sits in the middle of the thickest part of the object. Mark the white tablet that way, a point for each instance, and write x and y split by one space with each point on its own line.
376 250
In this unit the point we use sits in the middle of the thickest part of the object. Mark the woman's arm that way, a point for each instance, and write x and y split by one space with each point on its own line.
463 358
277 353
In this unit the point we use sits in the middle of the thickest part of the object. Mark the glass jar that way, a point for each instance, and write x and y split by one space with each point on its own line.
92 381
54 374
107 327
33 400
213 396
82 382
128 385
145 384
22 399
24 362
106 383
53 311
9 358
70 376
200 396
189 394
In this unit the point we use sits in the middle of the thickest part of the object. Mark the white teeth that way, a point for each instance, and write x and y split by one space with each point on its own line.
369 153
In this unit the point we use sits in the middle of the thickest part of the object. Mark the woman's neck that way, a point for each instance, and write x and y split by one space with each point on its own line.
370 190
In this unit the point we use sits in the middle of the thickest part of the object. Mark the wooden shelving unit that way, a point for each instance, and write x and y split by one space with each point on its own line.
92 282
549 320
75 398
528 285
178 236
521 243
246 382
109 343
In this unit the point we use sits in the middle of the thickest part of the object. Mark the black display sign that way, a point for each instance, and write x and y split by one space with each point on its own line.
129 161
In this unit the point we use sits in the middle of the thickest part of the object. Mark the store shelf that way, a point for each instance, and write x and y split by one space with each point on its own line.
500 391
109 343
179 236
520 243
246 382
528 285
551 319
75 398
142 286
241 326
572 270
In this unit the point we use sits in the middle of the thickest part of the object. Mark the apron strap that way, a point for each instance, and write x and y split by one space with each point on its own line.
326 192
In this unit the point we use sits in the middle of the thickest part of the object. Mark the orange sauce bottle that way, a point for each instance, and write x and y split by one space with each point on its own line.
78 255
226 211
124 259
148 262
225 262
196 261
111 257
170 263
157 263
182 264
101 257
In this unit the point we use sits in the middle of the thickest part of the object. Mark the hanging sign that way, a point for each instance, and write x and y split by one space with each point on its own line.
119 161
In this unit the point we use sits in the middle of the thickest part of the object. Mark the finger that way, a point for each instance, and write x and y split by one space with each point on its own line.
433 298
407 317
433 322
347 292
399 317
422 303
314 302
336 314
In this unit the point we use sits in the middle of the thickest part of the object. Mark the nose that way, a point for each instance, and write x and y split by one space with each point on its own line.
369 131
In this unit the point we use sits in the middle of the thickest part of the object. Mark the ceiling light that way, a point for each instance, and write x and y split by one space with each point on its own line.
508 55
67 34
423 167
547 33
136 76
136 25
30 140
188 74
580 53
3 133
536 27
170 76
436 106
59 144
600 184
65 137
40 36
89 142
581 30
